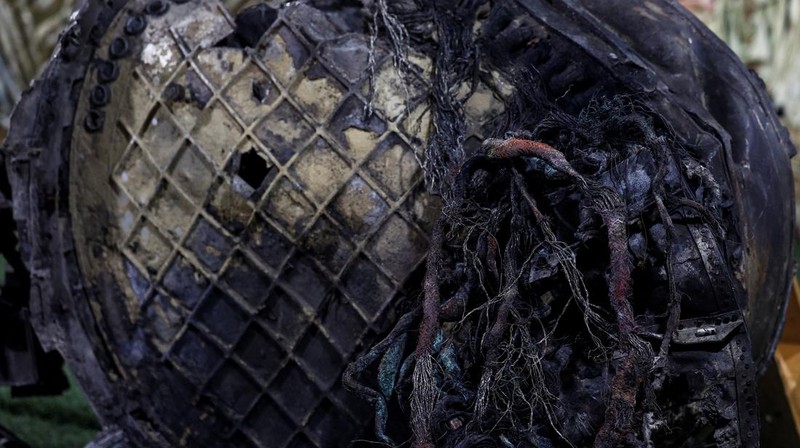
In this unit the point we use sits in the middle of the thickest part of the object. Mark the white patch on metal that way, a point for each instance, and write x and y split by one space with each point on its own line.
158 54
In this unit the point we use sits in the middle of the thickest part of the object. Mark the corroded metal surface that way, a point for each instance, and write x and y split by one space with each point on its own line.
215 226
29 30
239 226
247 194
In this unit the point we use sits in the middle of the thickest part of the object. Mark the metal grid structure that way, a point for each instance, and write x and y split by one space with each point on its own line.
263 224
230 269
207 280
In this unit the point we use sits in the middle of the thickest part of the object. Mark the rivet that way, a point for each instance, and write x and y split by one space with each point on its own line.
157 8
119 48
107 71
135 25
101 96
95 119
95 34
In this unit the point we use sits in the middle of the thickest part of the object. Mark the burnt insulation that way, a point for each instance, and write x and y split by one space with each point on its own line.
581 284
551 301
609 267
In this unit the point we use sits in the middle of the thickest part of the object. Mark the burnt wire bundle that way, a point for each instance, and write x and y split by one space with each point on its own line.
608 269
583 286
528 334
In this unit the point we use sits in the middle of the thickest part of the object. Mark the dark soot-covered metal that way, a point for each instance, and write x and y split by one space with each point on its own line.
220 214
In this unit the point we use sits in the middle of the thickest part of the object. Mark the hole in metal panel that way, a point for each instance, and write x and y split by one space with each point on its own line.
253 169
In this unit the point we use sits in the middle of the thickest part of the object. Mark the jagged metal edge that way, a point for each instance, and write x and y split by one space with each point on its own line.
37 161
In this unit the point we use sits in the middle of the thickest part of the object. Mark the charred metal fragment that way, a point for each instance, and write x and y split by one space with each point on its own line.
95 120
70 43
216 236
594 161
228 254
157 7
101 95
260 91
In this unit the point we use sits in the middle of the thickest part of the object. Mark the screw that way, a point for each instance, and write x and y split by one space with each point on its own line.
107 71
101 96
260 92
119 48
157 7
135 25
94 121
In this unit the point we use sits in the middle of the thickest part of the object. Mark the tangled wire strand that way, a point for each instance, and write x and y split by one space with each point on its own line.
506 309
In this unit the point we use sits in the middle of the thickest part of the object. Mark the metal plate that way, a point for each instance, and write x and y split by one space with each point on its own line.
243 227
246 228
